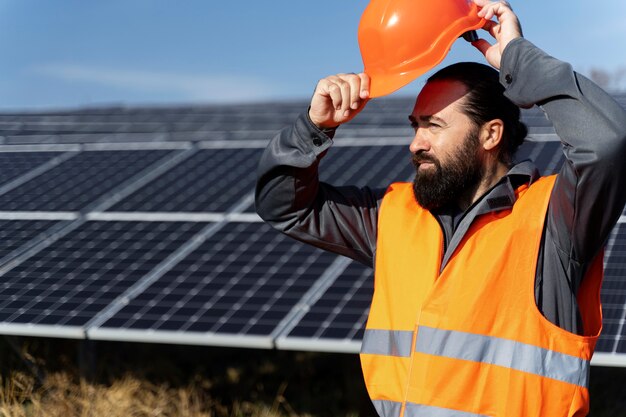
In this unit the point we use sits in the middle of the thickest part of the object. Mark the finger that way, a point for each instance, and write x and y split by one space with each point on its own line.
334 92
365 85
345 95
491 27
486 9
481 3
355 87
322 87
497 9
482 45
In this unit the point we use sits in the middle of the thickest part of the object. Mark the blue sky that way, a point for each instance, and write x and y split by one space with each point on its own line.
70 53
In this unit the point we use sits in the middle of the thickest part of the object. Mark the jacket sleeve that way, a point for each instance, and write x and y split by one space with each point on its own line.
290 197
589 194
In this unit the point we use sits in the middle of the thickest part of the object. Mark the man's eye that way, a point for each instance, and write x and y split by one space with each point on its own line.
434 125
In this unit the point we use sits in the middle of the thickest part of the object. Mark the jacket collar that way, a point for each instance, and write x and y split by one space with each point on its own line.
500 197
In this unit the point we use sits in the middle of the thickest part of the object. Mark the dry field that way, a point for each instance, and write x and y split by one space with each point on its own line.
56 378
61 396
61 378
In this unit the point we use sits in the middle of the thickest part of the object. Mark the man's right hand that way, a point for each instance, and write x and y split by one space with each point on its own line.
504 31
338 98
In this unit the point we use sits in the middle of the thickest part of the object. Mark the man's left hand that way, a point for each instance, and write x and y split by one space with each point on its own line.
504 30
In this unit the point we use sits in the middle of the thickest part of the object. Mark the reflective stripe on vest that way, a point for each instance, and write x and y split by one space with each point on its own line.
392 409
386 408
479 348
387 342
418 410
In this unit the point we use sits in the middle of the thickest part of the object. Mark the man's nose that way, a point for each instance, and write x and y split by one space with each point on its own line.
420 142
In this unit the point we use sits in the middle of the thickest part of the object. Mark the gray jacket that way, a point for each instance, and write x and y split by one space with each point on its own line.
586 202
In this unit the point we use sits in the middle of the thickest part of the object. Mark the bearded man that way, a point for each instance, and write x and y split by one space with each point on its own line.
487 276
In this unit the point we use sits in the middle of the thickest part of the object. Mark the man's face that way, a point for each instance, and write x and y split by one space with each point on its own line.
446 148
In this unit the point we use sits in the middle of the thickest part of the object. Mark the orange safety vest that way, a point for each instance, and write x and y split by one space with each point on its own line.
469 341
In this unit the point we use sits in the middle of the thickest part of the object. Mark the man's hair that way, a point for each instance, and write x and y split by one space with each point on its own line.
485 101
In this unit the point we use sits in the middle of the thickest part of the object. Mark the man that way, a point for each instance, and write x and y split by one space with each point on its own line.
487 277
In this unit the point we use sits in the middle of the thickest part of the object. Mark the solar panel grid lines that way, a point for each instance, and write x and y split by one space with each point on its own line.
243 281
41 162
336 320
546 155
189 293
613 292
137 176
361 166
54 233
141 179
613 302
404 133
316 291
70 282
15 164
79 181
211 180
550 158
162 268
528 150
18 234
137 288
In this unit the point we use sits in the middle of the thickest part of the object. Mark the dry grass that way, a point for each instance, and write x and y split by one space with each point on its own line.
61 396
135 380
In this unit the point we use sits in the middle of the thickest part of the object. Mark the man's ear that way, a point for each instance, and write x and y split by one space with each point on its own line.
491 134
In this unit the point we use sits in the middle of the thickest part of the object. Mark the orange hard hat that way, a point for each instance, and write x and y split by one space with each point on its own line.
402 39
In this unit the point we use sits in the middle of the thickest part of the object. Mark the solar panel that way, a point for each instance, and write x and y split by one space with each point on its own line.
15 233
337 318
112 124
73 279
79 181
242 281
15 164
613 294
547 155
211 180
374 166
201 272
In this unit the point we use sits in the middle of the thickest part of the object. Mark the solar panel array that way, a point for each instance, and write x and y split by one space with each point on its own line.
139 225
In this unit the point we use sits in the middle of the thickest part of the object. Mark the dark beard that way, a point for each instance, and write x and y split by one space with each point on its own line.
447 183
